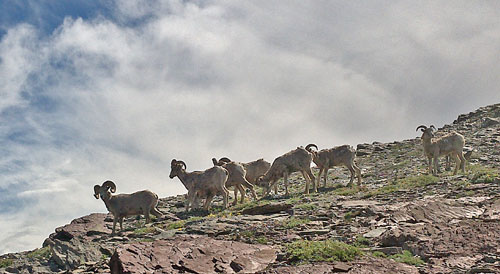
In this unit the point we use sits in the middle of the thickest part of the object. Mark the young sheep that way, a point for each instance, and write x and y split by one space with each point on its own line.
296 160
253 169
450 144
123 205
328 158
201 184
237 178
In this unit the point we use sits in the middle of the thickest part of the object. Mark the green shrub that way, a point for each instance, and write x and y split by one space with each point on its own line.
379 254
144 230
407 258
293 222
361 241
40 253
176 225
321 251
6 263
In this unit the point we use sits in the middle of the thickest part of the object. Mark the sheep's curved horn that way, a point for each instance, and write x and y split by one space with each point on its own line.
96 191
421 126
111 185
214 160
225 160
182 163
308 147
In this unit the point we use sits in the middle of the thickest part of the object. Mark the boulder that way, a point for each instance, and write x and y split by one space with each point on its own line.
191 254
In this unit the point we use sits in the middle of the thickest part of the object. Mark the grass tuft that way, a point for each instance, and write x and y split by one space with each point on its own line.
407 258
303 251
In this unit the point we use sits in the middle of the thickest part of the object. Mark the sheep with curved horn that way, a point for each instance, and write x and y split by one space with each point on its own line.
123 205
296 160
336 156
450 144
201 184
237 178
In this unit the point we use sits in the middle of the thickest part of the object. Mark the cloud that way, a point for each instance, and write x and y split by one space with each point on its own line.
119 94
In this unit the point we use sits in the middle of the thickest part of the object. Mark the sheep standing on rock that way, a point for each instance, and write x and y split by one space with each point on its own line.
201 184
328 158
451 144
296 160
123 205
236 178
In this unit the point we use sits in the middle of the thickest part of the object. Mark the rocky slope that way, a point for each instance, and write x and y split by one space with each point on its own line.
401 221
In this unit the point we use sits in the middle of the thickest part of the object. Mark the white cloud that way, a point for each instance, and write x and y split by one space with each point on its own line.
102 99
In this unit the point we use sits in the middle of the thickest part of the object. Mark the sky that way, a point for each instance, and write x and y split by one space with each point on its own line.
114 90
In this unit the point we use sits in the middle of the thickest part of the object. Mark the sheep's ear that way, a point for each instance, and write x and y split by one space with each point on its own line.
97 188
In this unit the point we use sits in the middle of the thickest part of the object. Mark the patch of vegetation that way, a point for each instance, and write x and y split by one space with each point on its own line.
379 254
407 258
6 263
482 174
293 222
176 225
347 191
40 253
144 230
262 240
361 241
407 183
241 207
307 206
352 214
303 251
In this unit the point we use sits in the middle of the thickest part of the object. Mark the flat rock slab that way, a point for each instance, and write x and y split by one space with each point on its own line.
267 209
191 254
357 203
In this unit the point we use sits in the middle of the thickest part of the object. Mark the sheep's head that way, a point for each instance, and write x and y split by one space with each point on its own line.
308 148
222 161
103 190
427 132
176 168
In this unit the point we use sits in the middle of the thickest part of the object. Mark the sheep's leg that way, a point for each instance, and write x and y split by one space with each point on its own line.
156 212
312 179
236 188
276 189
114 225
319 176
448 163
192 195
307 182
225 194
285 178
351 170
146 216
358 172
250 186
325 177
209 200
242 191
436 165
430 165
121 223
462 160
458 163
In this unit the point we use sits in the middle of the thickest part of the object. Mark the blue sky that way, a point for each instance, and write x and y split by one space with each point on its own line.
103 90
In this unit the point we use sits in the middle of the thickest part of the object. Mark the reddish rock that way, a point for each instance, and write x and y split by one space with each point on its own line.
191 254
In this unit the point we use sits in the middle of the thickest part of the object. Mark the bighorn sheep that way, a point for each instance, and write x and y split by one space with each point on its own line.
296 160
328 158
201 184
123 205
253 169
237 178
450 144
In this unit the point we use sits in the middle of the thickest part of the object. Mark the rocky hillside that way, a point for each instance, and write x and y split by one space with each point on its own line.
401 221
